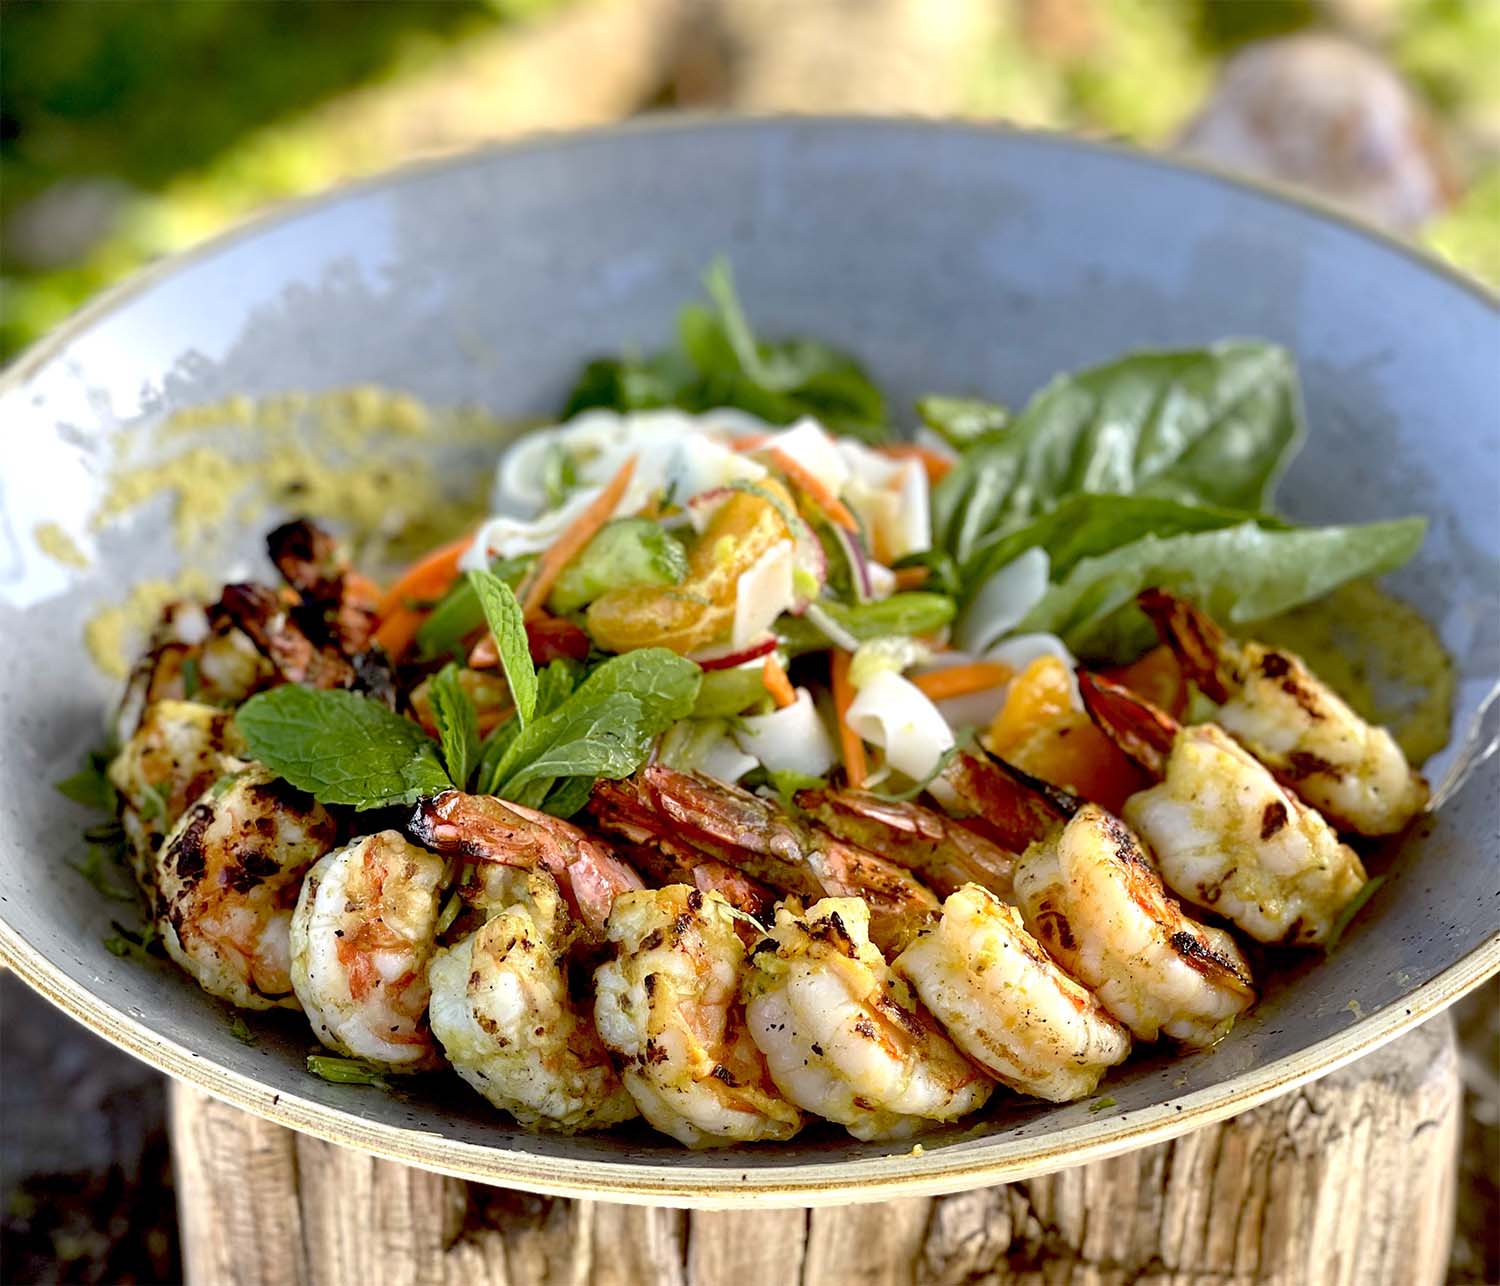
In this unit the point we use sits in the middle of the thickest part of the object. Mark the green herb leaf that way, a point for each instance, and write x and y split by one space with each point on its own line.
457 723
346 1071
568 796
787 782
1099 1104
90 785
131 944
726 692
914 612
340 747
153 803
1356 904
1212 426
665 684
241 1032
191 679
458 613
963 422
555 683
605 737
508 624
1235 574
98 867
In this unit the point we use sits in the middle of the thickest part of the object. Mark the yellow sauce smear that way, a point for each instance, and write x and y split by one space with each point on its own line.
60 547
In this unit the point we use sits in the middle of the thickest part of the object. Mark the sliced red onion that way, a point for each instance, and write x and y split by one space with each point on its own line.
859 564
727 657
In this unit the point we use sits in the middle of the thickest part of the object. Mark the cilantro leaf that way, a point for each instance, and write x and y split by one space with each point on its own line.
340 747
457 724
90 785
508 624
346 1071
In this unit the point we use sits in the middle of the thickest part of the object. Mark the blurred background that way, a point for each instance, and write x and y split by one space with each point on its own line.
130 129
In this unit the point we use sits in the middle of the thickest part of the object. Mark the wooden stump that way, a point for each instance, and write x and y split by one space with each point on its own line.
1348 1180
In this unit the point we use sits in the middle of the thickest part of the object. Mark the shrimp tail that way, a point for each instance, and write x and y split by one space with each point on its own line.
1143 731
1017 808
1201 647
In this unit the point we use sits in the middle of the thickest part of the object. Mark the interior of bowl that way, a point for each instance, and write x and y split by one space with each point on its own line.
948 258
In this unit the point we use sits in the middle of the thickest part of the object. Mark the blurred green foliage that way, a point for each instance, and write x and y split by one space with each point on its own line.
186 115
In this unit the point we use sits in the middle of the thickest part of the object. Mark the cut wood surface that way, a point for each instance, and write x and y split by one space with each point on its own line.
1349 1180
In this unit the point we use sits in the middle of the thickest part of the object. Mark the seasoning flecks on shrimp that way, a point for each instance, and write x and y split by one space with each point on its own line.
1092 898
481 826
177 752
668 1007
843 1036
503 1011
361 935
762 839
228 876
1226 834
1006 1003
946 854
1352 772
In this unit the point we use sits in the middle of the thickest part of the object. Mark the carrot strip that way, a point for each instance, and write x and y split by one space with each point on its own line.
938 466
750 441
960 680
825 499
777 684
912 577
850 744
428 578
570 544
398 630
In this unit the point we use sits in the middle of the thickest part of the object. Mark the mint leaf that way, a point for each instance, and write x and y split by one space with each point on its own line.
603 737
963 421
568 796
508 624
346 1071
457 723
458 613
665 684
555 683
340 747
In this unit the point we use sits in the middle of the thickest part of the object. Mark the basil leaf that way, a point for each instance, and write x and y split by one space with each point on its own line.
1212 426
963 421
1236 574
508 624
1086 526
340 747
457 723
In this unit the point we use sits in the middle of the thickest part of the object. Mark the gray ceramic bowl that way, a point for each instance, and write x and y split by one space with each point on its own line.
949 257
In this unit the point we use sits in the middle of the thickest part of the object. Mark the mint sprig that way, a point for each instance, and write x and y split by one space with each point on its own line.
457 724
502 611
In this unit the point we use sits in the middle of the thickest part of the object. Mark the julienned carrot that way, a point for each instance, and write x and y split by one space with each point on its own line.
912 577
960 680
570 544
938 465
397 631
824 498
428 578
750 442
849 741
777 684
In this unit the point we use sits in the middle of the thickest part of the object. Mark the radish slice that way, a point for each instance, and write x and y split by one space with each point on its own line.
702 507
793 739
726 658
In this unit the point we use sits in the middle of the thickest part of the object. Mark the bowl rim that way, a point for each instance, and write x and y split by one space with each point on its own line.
903 1172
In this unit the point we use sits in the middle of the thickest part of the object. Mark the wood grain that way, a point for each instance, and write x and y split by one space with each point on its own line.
1346 1182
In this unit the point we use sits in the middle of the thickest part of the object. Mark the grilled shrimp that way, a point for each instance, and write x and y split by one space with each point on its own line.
228 876
588 872
1092 898
1226 834
174 755
503 1012
1291 721
668 1007
187 660
944 853
361 936
761 839
843 1036
1006 1004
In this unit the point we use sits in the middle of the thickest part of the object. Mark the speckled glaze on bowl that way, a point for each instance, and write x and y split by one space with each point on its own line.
949 257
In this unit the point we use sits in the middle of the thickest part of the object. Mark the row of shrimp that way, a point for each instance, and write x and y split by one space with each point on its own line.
726 968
